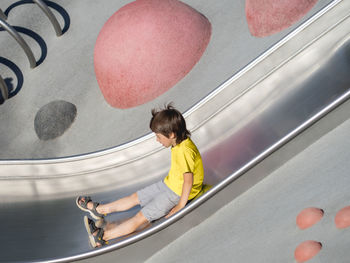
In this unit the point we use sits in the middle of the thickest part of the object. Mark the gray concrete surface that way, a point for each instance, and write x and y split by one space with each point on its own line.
260 225
66 73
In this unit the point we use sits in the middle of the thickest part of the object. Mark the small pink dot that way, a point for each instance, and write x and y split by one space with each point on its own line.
342 218
308 217
307 250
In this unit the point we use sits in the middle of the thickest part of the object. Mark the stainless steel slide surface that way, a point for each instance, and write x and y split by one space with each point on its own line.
277 96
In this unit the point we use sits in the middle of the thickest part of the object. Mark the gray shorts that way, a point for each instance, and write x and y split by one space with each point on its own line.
157 200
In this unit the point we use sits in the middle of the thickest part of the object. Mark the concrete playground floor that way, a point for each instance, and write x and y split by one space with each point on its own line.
66 72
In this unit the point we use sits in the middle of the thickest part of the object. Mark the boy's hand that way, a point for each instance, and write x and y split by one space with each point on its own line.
175 209
186 189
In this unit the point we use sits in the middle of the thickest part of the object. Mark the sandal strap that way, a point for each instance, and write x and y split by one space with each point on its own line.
92 226
94 206
102 224
99 237
84 200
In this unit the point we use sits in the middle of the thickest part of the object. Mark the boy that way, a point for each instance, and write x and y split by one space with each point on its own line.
165 198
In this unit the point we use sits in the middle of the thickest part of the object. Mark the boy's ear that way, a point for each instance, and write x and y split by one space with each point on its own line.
172 136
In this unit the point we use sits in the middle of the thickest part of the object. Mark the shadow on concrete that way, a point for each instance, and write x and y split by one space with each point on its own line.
12 91
53 5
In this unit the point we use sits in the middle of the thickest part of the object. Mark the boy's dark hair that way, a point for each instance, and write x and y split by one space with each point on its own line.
169 120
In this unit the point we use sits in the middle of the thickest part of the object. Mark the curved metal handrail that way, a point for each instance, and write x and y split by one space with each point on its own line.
13 32
50 15
3 89
2 15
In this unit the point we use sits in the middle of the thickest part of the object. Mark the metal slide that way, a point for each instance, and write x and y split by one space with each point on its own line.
277 96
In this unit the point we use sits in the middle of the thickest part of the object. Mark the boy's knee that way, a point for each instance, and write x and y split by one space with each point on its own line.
140 218
135 198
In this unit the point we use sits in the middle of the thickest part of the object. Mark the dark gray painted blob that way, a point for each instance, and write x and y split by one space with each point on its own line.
53 119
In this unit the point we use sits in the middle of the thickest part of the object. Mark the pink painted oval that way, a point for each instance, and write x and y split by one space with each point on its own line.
307 250
270 16
146 47
342 218
308 217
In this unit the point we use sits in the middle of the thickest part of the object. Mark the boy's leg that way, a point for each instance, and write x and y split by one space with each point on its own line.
159 206
119 205
125 228
144 195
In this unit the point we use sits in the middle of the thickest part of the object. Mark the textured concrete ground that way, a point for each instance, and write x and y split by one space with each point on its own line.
66 73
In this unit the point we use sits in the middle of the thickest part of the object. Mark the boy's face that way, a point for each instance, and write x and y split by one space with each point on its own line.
165 141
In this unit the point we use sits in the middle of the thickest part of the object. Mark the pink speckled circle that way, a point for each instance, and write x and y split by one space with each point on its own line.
308 217
270 16
307 250
146 47
342 218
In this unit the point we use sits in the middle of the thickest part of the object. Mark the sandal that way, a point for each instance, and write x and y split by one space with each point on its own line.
82 202
97 240
91 226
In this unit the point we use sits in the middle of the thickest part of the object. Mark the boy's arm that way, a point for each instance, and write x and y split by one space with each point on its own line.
186 190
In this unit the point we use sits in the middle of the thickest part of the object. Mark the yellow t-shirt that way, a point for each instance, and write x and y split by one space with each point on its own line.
185 158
